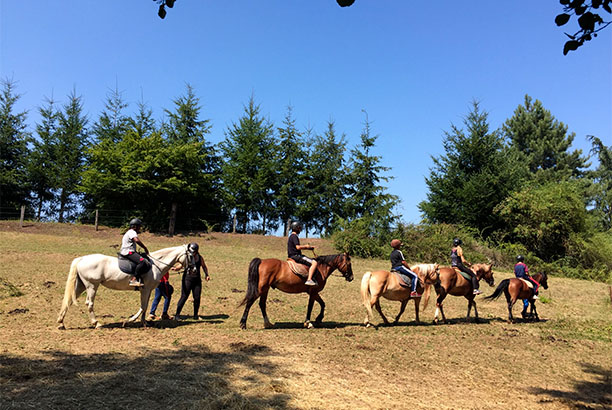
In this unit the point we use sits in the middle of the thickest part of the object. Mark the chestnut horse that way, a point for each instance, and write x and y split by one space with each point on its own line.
516 288
384 283
453 283
274 273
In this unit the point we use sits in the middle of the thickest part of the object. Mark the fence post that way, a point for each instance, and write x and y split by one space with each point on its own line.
234 225
22 216
96 223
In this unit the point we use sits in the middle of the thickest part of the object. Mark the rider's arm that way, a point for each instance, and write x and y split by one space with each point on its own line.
460 254
139 243
300 247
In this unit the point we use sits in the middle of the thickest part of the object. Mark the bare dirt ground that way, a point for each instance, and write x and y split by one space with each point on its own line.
564 361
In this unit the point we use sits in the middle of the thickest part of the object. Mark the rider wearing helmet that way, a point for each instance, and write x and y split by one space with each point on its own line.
458 261
192 281
522 271
128 251
294 251
398 263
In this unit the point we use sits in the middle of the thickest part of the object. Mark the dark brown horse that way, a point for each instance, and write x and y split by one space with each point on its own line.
274 273
516 288
453 283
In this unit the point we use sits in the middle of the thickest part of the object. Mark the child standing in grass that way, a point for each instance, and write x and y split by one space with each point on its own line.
164 289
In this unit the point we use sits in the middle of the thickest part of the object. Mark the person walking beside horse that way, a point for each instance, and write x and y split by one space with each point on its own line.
192 281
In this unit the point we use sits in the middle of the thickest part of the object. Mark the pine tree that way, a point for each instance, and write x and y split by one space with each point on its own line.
42 164
291 165
472 177
248 170
72 139
326 177
367 198
14 137
601 189
545 142
112 123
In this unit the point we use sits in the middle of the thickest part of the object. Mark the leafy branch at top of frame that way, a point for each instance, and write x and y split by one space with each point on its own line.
589 21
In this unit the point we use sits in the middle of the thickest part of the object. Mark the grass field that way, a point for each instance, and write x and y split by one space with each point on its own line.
564 361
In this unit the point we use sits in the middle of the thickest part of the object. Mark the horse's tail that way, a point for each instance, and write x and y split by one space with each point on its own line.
252 292
70 295
503 285
365 292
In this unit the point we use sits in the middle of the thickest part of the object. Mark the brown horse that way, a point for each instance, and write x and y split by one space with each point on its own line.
274 273
384 283
453 283
516 288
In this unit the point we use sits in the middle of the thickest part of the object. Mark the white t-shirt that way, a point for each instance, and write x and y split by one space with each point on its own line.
127 244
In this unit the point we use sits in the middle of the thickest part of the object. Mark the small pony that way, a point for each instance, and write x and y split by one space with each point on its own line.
384 283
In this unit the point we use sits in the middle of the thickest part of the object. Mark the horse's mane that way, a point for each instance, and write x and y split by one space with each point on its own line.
327 259
424 268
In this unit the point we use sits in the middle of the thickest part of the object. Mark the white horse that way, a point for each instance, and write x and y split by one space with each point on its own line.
89 271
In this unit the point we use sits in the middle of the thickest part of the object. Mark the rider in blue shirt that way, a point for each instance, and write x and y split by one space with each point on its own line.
398 263
522 271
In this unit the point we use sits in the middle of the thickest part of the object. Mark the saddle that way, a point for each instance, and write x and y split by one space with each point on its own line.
528 282
298 268
405 281
126 265
465 275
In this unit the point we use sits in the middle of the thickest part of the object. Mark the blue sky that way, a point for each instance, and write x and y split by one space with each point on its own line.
414 67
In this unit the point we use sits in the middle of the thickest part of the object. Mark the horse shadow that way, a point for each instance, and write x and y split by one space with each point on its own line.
169 323
322 325
151 379
585 394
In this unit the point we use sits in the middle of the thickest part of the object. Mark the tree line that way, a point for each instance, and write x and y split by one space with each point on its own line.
167 172
520 188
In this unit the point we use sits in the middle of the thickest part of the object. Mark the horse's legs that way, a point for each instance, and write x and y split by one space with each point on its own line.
145 293
319 318
439 301
380 312
247 307
534 312
263 298
89 301
417 302
401 311
476 318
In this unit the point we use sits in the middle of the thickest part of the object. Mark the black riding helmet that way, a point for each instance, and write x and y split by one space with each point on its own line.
296 225
193 247
457 242
135 222
520 258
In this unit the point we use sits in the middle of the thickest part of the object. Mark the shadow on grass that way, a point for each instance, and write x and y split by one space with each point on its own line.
322 325
585 394
154 379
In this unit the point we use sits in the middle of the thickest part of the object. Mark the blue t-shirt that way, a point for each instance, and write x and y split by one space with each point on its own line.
521 270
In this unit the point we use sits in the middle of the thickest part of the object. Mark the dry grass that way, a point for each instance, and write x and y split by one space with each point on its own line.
562 362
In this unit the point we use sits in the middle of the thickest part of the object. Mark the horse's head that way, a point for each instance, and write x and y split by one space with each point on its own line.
484 271
543 279
186 257
345 266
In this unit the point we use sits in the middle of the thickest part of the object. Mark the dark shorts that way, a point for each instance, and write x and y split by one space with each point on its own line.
304 260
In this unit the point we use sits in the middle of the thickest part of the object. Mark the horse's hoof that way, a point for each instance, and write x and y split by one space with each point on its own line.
367 324
242 325
308 325
97 325
61 327
267 325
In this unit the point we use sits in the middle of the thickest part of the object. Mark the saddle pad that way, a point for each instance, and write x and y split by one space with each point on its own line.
298 268
529 284
465 275
126 266
404 280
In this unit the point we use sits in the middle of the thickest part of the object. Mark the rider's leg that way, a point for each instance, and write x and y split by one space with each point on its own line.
311 271
414 282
